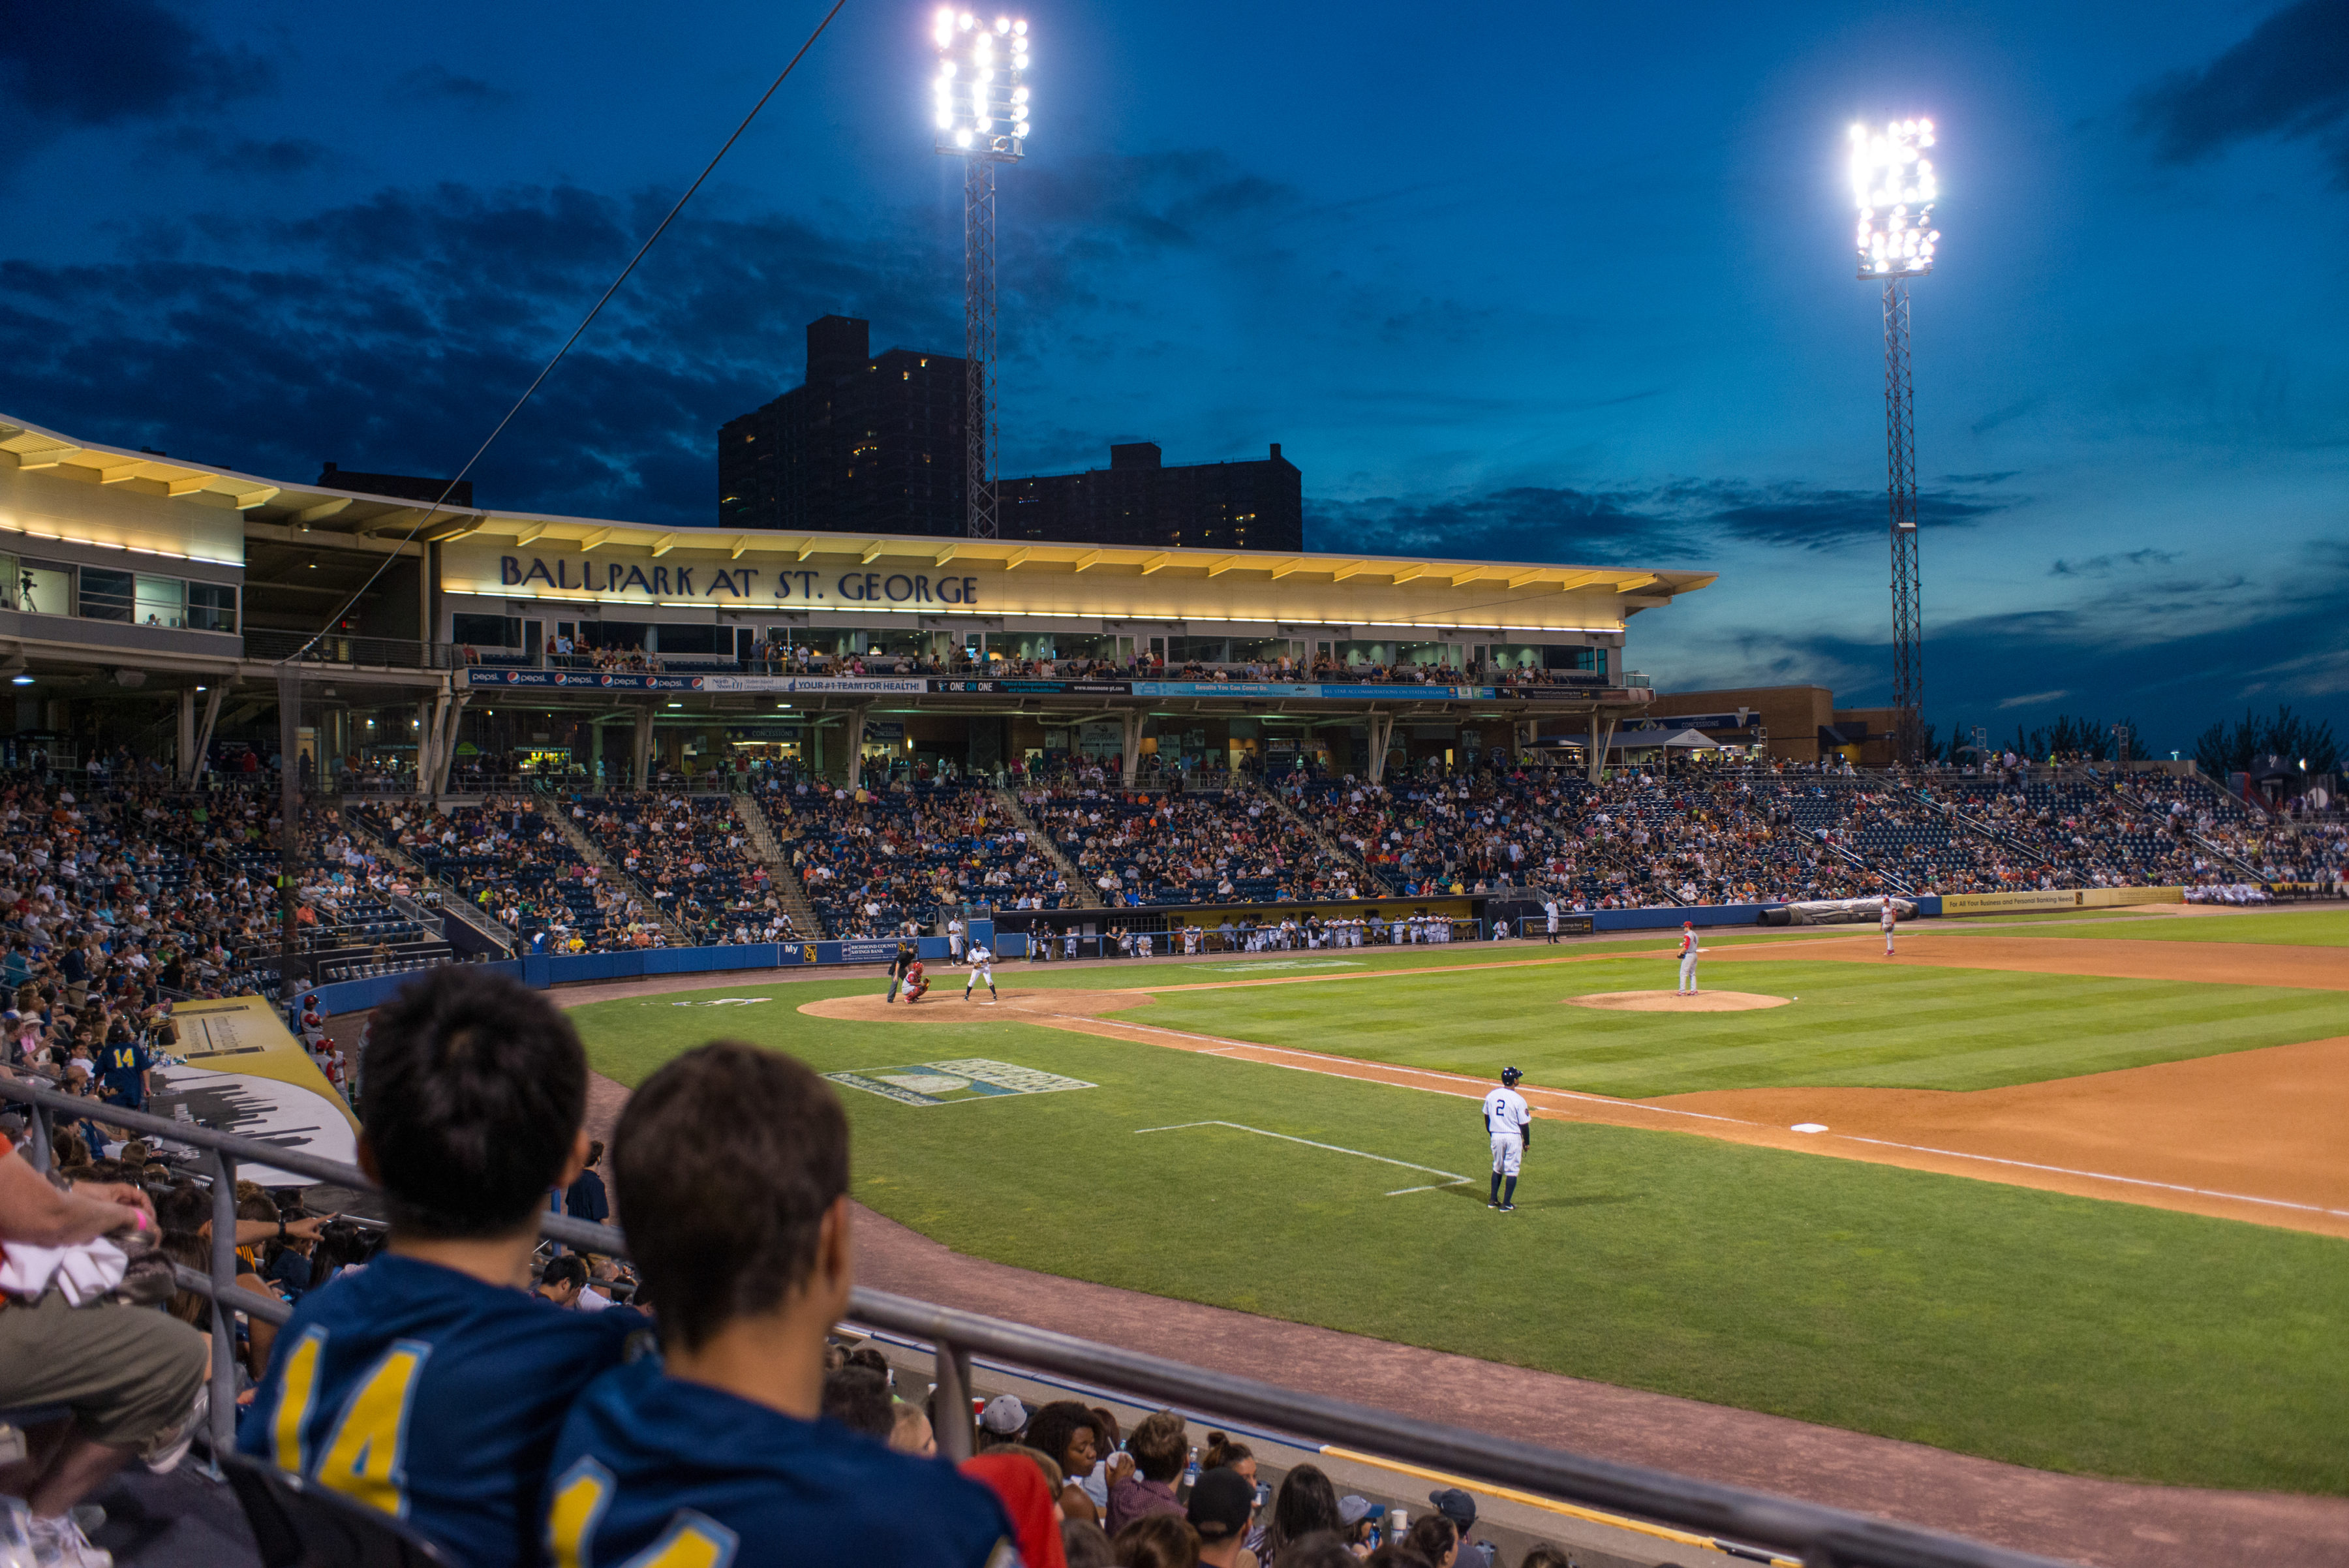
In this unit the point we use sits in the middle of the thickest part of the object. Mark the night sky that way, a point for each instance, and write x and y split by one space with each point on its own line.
1544 282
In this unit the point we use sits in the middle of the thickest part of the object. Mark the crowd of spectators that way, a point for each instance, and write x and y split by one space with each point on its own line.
903 857
689 855
1193 847
514 864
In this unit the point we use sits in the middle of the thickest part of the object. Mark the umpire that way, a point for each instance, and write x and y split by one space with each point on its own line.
898 966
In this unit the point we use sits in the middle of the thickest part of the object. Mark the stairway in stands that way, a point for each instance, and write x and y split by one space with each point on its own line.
1372 885
615 878
453 905
768 846
1088 897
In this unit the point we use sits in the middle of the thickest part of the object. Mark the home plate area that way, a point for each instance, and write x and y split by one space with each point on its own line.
1676 1002
944 1004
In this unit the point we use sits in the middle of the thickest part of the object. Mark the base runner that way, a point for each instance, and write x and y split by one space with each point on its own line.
1509 1121
982 966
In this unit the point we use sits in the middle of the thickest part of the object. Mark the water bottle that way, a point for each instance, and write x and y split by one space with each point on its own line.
1191 1474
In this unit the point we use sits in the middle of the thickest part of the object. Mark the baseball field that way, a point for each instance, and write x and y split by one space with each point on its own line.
2070 1194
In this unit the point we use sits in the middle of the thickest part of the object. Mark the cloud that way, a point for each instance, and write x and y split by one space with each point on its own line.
2112 657
246 156
1682 522
391 334
103 62
2289 79
438 81
2104 565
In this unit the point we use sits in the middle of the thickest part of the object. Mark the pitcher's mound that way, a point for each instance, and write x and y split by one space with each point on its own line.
944 1005
1673 1002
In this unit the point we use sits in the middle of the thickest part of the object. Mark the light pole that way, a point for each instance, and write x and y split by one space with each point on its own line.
980 104
1893 185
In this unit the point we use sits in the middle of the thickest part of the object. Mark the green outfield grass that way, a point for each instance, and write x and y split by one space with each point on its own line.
2286 928
1854 1025
2046 1330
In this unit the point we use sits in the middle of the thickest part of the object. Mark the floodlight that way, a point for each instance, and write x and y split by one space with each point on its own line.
980 101
1894 187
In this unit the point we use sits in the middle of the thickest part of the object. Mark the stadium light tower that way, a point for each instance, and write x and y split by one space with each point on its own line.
1893 185
979 102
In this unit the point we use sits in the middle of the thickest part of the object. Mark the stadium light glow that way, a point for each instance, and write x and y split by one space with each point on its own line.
980 98
1894 187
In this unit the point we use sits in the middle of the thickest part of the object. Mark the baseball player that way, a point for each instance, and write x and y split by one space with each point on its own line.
918 984
1549 914
1509 1121
1688 958
905 961
954 939
982 962
1888 919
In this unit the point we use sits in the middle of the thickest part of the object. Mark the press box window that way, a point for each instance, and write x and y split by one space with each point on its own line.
487 630
107 595
211 606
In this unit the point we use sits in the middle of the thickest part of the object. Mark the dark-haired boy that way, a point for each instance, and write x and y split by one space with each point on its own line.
431 1383
732 1169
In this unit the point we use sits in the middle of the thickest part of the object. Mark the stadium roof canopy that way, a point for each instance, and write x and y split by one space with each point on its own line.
281 510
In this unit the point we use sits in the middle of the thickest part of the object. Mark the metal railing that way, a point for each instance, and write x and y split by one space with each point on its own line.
1824 1537
374 652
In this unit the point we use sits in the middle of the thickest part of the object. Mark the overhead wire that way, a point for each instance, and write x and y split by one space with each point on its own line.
584 322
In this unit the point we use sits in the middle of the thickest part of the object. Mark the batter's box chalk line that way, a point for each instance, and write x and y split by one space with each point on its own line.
1450 1178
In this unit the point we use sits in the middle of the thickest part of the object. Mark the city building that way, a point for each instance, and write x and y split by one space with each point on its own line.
865 444
871 444
1253 504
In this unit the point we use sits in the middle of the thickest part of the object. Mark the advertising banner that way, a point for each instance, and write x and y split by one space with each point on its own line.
245 1075
2058 899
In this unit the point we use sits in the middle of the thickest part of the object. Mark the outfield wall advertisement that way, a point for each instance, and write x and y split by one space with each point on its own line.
2058 899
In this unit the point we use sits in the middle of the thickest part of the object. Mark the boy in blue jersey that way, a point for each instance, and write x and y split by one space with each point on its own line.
732 1169
431 1383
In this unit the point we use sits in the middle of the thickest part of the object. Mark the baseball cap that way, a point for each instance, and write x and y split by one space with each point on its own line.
1221 1501
1003 1415
1454 1505
1354 1509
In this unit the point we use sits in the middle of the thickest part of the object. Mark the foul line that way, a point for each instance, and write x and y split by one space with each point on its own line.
1224 1046
1333 1148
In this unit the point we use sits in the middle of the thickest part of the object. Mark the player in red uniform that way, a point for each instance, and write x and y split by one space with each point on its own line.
1688 958
916 982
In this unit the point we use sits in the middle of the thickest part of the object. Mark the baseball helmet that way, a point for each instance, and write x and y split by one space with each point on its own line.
1510 1075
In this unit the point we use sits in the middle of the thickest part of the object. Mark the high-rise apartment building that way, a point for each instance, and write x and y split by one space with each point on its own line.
876 445
1255 504
865 445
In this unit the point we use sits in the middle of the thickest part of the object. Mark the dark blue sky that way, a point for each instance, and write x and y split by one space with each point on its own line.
1533 281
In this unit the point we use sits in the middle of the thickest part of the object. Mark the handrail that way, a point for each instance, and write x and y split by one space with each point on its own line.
1826 1537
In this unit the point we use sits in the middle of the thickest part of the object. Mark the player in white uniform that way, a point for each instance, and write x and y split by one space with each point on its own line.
982 963
1550 913
1688 958
954 941
1888 918
1509 1121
